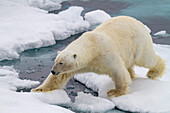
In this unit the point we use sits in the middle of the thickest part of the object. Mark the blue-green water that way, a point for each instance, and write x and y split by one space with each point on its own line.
36 64
146 8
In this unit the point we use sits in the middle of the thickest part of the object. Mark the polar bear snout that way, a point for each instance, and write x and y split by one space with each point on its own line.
54 73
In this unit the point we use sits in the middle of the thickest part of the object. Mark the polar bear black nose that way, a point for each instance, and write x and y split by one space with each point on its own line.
53 72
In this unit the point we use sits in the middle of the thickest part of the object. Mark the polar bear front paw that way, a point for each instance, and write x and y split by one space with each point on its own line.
40 90
114 93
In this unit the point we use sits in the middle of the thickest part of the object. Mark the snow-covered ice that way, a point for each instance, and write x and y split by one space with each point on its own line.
24 27
146 95
96 17
58 97
26 24
149 30
19 102
89 103
9 79
48 5
14 102
163 32
89 79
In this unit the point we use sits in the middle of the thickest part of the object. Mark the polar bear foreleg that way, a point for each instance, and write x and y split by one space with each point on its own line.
53 82
131 72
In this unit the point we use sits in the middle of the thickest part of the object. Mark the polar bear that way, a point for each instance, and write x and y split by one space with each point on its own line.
113 48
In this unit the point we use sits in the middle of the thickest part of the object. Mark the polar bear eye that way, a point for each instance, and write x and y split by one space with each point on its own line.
61 63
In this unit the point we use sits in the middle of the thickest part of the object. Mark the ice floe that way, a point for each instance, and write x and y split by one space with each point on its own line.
149 30
163 32
14 102
58 97
24 27
19 102
9 79
146 96
89 103
96 17
48 5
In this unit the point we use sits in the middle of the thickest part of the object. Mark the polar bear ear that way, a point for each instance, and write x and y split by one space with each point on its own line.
74 56
58 52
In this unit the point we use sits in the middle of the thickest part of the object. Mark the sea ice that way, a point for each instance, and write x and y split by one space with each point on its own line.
24 27
48 5
146 96
163 32
14 102
9 79
96 17
89 79
89 103
19 102
58 97
149 30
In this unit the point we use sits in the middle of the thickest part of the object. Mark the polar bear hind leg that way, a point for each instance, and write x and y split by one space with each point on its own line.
157 70
153 62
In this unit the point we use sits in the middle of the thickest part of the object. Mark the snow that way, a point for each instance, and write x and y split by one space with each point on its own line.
96 17
24 27
14 102
9 79
58 97
89 79
163 32
88 103
48 5
19 102
149 30
26 24
146 95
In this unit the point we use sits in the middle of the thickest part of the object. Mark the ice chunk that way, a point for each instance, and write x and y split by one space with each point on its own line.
146 96
58 97
149 30
48 5
163 32
29 27
9 79
69 23
88 103
96 17
14 102
89 79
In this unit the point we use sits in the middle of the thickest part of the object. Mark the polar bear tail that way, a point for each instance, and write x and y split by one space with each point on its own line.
158 70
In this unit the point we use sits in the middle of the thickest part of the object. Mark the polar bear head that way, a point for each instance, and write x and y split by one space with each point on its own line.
65 62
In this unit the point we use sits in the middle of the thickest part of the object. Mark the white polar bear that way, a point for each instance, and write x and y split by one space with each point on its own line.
113 48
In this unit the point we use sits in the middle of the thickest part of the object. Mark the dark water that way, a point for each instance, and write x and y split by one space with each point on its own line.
35 64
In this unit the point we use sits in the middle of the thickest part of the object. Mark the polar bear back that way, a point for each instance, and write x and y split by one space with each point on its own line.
130 36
